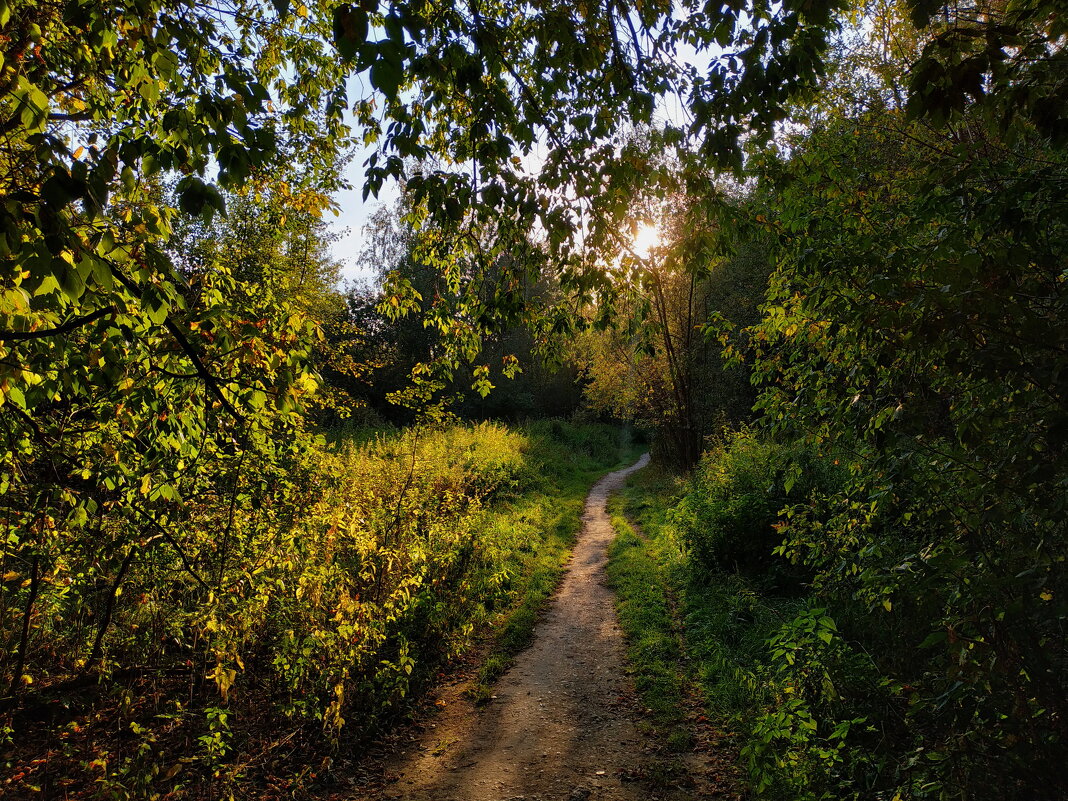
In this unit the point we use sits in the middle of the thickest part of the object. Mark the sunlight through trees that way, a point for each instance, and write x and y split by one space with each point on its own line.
813 250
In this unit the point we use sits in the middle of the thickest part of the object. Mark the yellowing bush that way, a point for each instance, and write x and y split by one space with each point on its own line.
308 594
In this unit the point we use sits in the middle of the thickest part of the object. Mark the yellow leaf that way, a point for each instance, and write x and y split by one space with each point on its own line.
887 605
1046 595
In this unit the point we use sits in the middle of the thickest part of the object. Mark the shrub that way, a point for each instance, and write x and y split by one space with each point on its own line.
309 600
730 515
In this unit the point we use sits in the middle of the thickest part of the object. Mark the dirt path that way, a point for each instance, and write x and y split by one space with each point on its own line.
562 723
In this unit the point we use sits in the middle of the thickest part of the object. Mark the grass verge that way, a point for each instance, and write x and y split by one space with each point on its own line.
690 634
637 571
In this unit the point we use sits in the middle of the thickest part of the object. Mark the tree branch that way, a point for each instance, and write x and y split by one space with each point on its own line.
187 348
65 328
169 538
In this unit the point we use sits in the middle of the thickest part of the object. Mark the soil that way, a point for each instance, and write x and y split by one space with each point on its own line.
563 722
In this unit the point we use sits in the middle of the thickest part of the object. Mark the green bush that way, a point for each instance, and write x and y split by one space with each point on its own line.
803 694
731 514
914 661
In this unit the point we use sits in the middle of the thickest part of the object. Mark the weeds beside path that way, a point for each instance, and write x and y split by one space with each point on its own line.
562 722
331 615
661 616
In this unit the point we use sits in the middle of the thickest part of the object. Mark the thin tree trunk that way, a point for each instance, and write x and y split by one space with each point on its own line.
109 609
24 640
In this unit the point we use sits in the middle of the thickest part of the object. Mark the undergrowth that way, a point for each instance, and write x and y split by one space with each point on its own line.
801 657
283 626
689 632
638 572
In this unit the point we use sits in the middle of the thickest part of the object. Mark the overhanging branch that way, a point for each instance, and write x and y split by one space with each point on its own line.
65 328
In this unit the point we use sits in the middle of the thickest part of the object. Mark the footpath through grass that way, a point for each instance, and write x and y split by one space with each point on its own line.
541 527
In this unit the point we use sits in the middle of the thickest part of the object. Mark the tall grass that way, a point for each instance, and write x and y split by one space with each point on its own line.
693 634
299 618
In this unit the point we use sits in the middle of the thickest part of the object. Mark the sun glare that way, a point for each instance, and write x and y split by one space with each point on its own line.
645 239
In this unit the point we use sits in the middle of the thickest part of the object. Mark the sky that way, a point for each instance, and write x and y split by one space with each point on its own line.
355 212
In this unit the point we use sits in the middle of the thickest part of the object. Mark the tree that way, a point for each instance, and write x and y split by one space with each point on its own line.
410 313
914 329
657 363
133 392
647 366
276 243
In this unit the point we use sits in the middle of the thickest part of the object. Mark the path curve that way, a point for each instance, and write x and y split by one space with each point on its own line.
561 726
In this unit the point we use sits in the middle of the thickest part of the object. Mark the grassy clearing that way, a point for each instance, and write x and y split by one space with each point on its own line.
688 632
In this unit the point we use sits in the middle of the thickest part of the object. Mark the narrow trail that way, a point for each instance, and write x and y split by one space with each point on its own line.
562 725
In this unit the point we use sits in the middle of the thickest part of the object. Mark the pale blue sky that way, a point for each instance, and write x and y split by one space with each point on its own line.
354 215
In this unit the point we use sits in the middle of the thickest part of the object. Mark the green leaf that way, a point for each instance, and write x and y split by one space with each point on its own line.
492 195
14 394
155 305
34 113
70 281
386 77
60 189
454 209
350 30
48 285
393 27
192 195
214 201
